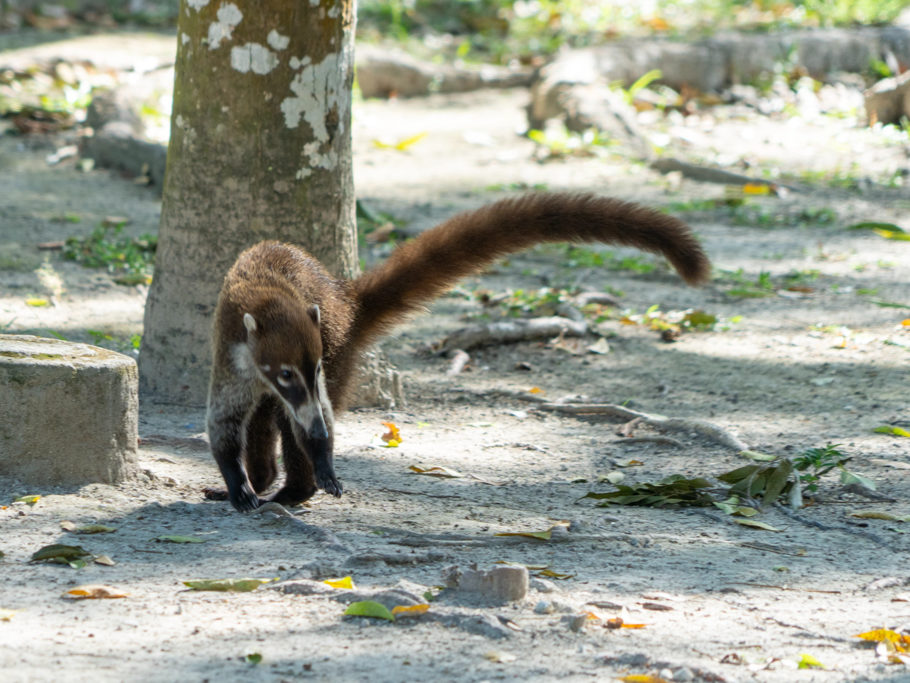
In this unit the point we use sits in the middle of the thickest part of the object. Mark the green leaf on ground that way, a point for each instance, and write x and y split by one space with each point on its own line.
233 585
369 608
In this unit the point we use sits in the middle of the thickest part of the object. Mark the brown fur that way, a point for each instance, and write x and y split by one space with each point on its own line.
278 284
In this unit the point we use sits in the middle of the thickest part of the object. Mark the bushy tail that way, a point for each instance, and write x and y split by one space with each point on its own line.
421 270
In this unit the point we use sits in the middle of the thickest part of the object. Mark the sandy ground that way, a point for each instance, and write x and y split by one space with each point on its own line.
800 369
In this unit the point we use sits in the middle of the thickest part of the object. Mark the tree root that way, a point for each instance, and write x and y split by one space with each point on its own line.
680 424
511 331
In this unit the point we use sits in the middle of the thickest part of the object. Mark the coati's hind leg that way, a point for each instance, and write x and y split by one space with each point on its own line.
225 434
261 440
300 480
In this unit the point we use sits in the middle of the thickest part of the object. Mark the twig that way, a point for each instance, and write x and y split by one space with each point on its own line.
707 174
511 331
680 424
784 588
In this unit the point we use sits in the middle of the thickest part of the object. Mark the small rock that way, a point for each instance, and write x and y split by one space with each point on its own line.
575 622
544 607
683 674
543 585
666 674
303 587
498 585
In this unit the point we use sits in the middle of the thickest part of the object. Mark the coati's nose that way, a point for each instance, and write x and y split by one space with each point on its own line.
318 430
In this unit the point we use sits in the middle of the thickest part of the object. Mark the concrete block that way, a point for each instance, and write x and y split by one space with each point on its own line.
68 412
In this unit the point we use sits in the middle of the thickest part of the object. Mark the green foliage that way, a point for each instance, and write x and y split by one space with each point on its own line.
814 463
505 30
130 259
559 143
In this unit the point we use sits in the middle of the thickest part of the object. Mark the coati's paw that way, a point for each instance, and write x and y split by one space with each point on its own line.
244 500
329 484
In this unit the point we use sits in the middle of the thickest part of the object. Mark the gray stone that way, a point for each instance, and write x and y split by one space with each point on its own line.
68 412
384 72
498 585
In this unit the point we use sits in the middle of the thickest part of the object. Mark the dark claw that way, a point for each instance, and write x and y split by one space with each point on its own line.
244 500
330 485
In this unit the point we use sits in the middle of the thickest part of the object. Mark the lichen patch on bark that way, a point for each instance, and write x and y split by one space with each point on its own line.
229 15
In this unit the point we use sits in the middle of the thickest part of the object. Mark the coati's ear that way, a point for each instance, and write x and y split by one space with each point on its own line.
314 313
249 322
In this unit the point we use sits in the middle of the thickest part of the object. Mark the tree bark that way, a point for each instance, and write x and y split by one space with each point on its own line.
260 148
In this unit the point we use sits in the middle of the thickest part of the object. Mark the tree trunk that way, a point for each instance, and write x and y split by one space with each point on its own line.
260 149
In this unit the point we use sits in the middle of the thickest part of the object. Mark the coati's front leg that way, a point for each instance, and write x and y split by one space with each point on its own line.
300 480
261 440
225 434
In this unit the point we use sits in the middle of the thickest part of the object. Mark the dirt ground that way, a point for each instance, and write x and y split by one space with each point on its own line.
801 368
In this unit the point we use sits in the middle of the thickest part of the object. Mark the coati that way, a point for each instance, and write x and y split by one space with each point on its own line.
287 335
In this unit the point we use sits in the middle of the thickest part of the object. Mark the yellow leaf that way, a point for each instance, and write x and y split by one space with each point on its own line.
6 614
809 662
884 635
401 145
28 500
393 434
392 443
94 591
500 657
410 610
436 471
550 574
905 322
643 678
36 302
535 390
343 582
756 188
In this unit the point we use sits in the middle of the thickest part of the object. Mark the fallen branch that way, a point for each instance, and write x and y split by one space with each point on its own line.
707 174
679 424
511 331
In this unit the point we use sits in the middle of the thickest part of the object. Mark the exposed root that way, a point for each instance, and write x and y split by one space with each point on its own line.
679 424
510 331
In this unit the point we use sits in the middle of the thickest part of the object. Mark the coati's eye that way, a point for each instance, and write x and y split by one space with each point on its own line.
285 377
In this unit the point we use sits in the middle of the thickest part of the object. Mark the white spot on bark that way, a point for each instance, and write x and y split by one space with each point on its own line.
277 41
317 88
253 57
303 173
334 10
197 4
314 3
229 15
184 39
296 63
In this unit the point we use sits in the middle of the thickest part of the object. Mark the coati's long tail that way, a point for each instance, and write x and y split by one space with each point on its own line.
424 268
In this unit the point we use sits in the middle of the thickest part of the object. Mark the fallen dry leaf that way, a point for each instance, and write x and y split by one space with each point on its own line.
93 591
